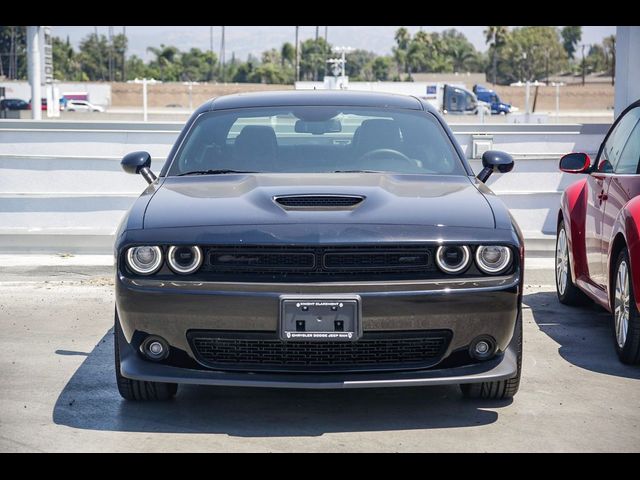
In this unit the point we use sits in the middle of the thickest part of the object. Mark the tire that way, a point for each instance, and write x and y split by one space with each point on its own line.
502 389
571 295
625 318
137 390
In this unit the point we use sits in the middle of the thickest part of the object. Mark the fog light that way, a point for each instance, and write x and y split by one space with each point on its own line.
482 348
155 348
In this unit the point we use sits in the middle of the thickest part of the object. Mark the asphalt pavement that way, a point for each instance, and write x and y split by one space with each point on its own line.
58 391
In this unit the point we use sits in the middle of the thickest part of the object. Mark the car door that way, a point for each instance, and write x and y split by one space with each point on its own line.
614 184
597 185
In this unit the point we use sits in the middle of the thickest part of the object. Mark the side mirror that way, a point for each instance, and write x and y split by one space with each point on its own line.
495 161
139 162
575 163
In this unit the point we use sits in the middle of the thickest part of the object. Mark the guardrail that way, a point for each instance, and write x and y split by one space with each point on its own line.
62 190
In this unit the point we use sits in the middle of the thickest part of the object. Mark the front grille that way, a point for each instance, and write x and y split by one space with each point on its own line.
319 201
377 260
374 351
255 260
285 263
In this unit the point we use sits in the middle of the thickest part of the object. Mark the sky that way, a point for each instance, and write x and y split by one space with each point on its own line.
255 39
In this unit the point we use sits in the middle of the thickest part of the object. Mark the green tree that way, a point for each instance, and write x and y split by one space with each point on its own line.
93 57
359 64
196 65
596 60
463 55
529 53
401 50
287 54
381 68
496 37
66 65
313 58
609 45
571 37
136 68
13 52
165 66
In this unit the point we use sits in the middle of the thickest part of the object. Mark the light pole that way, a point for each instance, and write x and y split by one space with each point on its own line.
211 52
584 65
33 65
222 54
297 55
144 82
124 54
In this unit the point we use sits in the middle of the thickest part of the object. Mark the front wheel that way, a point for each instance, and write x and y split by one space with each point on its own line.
502 389
626 318
136 389
568 292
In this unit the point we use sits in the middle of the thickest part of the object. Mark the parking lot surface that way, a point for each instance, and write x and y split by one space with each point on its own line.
58 390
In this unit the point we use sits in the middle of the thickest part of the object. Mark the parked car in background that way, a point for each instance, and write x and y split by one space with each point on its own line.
498 107
43 104
318 239
14 104
83 106
598 241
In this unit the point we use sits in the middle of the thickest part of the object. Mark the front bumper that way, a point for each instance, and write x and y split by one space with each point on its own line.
469 308
501 368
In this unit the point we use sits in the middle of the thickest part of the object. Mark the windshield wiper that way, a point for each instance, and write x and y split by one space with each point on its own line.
213 172
358 171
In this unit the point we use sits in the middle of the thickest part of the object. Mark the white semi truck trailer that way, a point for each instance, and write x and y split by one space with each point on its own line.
445 97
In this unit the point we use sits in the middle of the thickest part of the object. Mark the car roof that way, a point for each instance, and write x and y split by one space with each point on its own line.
334 98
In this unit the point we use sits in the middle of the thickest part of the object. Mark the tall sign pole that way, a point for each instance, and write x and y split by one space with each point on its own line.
33 67
297 55
222 54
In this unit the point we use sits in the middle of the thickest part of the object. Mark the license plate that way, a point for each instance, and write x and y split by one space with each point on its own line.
328 319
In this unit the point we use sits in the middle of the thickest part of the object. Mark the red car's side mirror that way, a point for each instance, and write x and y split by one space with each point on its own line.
575 163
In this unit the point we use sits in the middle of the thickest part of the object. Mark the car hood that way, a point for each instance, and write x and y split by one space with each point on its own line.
243 199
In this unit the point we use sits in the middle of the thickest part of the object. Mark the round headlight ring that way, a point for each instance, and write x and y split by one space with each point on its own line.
182 269
135 259
497 267
464 263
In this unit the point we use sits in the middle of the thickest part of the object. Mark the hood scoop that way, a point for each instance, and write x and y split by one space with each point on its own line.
319 202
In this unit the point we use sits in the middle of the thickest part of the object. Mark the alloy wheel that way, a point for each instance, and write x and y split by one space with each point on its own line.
562 262
621 306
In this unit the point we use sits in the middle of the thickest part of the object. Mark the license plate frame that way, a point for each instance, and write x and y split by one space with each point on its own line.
321 316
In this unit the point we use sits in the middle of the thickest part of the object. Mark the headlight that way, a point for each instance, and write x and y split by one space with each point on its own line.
144 260
184 260
453 258
493 259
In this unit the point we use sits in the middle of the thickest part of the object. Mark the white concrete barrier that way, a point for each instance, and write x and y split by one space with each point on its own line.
62 189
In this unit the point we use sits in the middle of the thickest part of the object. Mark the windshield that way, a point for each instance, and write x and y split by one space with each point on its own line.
316 140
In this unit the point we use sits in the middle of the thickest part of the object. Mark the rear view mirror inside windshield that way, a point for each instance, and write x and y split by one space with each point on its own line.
318 128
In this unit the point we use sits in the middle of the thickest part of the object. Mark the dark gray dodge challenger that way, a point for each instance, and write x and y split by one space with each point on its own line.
318 240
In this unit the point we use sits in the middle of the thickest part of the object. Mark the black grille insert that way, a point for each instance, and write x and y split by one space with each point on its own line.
256 260
311 202
248 351
319 261
377 260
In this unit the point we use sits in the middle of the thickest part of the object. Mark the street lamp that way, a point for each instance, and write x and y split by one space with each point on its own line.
144 82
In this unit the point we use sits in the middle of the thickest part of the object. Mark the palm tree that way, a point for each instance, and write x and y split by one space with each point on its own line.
496 37
165 57
609 44
459 55
400 52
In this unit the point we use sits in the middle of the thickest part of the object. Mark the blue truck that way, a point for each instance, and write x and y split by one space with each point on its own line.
489 96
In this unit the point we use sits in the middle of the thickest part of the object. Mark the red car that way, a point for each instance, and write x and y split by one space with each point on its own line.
598 241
